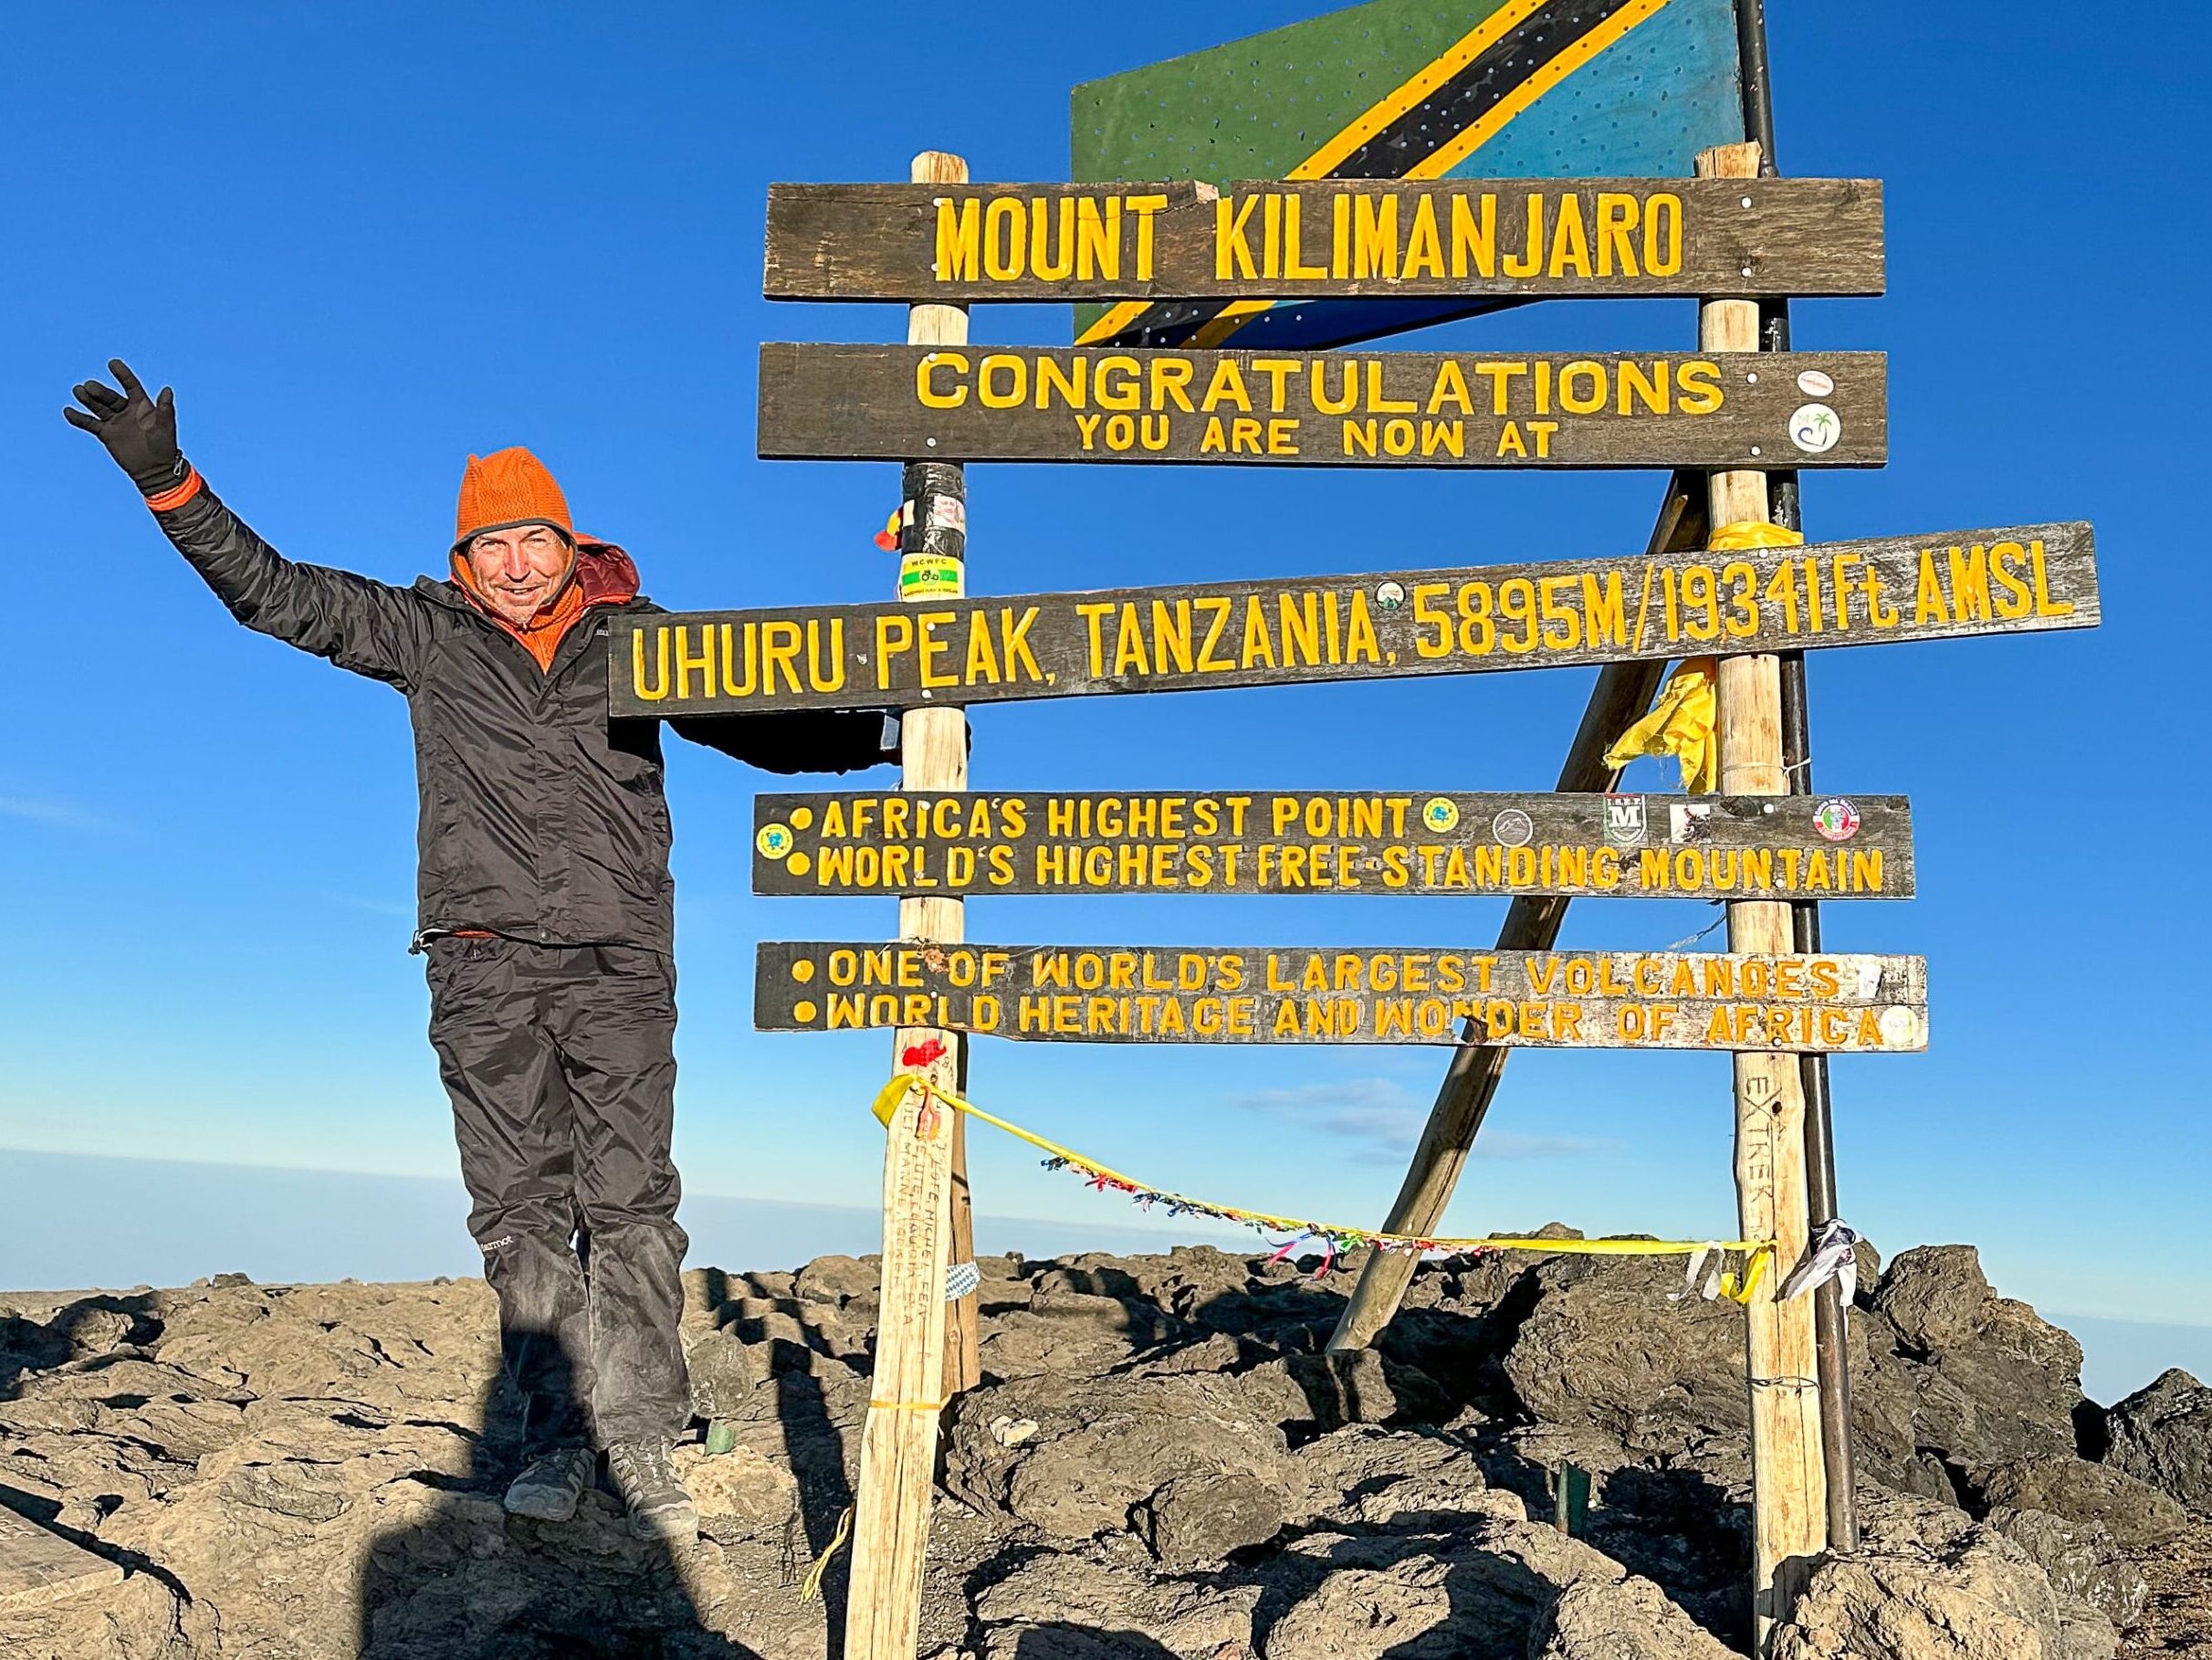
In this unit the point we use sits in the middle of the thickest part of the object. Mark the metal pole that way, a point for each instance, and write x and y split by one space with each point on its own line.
1831 1339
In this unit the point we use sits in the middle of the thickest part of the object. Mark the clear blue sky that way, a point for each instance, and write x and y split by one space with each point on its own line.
364 241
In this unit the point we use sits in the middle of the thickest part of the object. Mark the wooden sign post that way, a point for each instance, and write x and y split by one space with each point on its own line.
1197 262
1789 1510
920 1351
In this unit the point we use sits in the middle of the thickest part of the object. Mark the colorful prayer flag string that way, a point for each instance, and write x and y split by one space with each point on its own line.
1336 1239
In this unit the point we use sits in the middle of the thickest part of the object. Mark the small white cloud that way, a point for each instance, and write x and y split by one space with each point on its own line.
1506 1144
52 810
1377 1111
1385 1119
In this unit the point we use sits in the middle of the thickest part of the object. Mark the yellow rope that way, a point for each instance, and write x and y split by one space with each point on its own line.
888 1098
811 1587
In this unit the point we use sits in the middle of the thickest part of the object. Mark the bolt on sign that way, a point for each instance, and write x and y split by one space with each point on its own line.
1587 238
1323 409
1620 845
1339 994
1419 90
1470 620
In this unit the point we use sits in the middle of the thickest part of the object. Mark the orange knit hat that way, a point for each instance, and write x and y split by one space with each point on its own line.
508 488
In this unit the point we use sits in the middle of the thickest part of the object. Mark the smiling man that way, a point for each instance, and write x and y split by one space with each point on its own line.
546 910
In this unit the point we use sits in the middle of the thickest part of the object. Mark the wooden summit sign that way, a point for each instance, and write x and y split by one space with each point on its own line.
1333 842
1381 626
1350 408
1328 993
1325 239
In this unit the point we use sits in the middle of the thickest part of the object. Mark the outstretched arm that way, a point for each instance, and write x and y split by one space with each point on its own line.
367 626
802 740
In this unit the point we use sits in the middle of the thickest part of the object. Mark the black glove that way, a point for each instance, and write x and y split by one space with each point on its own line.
140 432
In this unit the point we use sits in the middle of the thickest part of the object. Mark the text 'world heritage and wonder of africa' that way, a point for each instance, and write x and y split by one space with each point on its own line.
1282 994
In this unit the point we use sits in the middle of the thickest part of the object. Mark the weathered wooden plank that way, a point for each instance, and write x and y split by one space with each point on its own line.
921 1356
1334 842
1325 239
1788 1472
38 1567
1350 408
1380 625
1360 995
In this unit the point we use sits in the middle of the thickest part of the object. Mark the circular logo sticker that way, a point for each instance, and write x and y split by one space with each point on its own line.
774 840
1513 827
1815 427
1898 1023
1440 815
1836 819
1814 384
1390 596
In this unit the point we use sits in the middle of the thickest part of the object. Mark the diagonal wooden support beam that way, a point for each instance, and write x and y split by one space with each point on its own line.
1623 691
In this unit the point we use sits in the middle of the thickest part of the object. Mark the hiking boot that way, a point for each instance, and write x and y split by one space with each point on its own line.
548 1490
645 1477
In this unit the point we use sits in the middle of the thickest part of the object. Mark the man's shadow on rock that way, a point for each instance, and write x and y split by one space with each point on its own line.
1059 1641
457 1578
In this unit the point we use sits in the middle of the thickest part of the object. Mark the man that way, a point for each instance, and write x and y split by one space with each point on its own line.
546 912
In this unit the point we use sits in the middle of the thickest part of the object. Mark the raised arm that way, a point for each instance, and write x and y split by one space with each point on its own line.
369 627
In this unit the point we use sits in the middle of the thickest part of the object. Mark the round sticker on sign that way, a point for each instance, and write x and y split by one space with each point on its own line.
1389 596
1898 1024
1815 427
1836 819
1813 384
1513 827
1440 815
774 840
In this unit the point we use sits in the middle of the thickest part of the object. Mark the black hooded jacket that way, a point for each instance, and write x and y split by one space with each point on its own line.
543 819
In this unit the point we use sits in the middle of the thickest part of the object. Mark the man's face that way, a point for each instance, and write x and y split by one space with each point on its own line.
520 571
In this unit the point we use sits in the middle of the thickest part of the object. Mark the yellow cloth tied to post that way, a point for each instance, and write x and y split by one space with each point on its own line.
1681 721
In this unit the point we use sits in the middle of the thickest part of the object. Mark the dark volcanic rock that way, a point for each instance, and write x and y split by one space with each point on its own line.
2137 1514
1164 1463
1928 1583
1492 1589
1205 1517
1629 1620
1401 1478
1104 1446
1308 1394
2163 1435
2083 1560
1601 1345
1953 1375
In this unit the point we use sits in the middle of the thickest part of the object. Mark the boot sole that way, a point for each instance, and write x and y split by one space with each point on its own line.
550 1513
672 1522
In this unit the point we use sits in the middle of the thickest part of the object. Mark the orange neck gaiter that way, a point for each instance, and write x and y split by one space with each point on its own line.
542 634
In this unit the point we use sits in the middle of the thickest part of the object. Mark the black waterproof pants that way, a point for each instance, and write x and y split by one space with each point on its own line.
561 1065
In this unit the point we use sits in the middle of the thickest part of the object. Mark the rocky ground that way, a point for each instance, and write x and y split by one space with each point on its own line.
1163 1463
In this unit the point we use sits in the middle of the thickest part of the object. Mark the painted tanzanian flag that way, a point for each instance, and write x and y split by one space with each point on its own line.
1407 89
